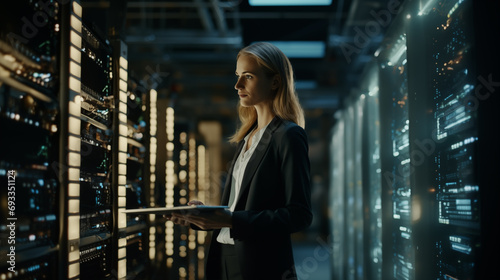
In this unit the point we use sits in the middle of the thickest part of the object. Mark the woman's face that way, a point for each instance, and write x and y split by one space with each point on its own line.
254 86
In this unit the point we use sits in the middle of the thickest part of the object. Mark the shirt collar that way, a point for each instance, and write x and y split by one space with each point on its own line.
257 135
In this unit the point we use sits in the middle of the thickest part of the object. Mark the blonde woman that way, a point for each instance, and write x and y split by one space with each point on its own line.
268 187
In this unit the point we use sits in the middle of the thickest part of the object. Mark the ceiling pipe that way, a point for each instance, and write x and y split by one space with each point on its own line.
204 16
219 17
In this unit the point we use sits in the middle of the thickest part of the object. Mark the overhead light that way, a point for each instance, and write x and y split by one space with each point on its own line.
427 7
301 49
290 2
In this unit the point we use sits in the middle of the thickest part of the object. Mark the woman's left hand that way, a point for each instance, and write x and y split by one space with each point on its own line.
210 220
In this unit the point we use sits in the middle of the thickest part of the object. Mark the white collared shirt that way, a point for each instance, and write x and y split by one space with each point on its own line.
237 177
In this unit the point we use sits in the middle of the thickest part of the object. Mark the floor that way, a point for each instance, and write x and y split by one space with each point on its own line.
312 260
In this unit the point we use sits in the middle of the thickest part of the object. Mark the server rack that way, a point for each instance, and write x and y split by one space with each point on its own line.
487 61
72 159
355 192
29 121
137 231
337 196
396 166
371 170
445 141
435 84
186 178
100 146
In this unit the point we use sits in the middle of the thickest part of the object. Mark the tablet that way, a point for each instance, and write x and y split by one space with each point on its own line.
189 209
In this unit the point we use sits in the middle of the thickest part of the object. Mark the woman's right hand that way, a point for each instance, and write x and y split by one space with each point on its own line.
195 202
178 219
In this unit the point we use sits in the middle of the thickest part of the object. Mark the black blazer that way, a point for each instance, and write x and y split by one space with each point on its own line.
274 201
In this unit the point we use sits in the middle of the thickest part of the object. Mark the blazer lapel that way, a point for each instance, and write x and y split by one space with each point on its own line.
257 156
229 179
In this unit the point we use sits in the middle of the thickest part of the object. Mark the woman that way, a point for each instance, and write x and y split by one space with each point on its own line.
268 190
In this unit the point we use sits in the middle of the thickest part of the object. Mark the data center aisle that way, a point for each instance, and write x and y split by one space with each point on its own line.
312 260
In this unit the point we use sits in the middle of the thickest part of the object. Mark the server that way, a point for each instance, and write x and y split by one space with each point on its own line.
96 181
67 146
29 114
418 208
137 230
413 153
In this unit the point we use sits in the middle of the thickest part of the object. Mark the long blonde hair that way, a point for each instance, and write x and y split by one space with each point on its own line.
285 103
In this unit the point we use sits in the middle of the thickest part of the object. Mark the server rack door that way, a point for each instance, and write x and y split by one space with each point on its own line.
337 196
448 183
398 250
30 129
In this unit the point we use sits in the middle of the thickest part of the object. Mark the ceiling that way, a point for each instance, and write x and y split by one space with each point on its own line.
186 49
